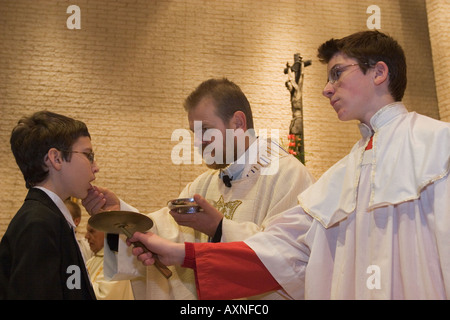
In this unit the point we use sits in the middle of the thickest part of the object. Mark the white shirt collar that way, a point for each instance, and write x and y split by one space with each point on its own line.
60 204
382 117
386 114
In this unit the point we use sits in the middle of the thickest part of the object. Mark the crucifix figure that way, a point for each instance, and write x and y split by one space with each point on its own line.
295 84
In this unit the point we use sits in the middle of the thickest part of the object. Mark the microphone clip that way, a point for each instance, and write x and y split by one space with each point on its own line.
227 180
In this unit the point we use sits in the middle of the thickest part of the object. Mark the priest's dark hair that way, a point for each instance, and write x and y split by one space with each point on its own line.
228 98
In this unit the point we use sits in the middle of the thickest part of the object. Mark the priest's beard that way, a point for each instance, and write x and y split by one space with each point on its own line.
215 159
218 155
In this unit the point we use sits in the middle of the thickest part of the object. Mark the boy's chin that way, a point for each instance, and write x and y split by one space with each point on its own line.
81 195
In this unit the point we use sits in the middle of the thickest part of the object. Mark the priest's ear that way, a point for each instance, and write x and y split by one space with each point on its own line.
239 121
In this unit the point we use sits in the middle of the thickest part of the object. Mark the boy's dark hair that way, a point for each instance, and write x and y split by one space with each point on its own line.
34 136
369 47
228 98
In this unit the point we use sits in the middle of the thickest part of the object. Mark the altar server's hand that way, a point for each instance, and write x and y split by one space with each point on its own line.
169 253
205 221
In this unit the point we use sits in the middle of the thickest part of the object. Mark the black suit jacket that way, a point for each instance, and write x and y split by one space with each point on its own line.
39 255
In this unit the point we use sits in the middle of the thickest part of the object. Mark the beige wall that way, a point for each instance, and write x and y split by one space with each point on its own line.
128 69
439 25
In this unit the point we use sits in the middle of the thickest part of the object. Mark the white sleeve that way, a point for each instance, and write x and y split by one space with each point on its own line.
122 265
442 219
283 250
126 207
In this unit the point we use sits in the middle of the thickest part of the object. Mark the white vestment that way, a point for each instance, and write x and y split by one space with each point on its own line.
84 246
267 184
104 289
377 224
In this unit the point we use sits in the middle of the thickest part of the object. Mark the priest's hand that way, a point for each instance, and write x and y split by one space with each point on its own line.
100 199
205 221
169 253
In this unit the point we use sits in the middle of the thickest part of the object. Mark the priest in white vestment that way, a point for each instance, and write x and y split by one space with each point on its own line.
264 180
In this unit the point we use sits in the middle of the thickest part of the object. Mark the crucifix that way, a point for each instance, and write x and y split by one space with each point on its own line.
294 84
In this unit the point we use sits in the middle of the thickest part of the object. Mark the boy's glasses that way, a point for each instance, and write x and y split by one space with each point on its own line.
336 71
89 155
